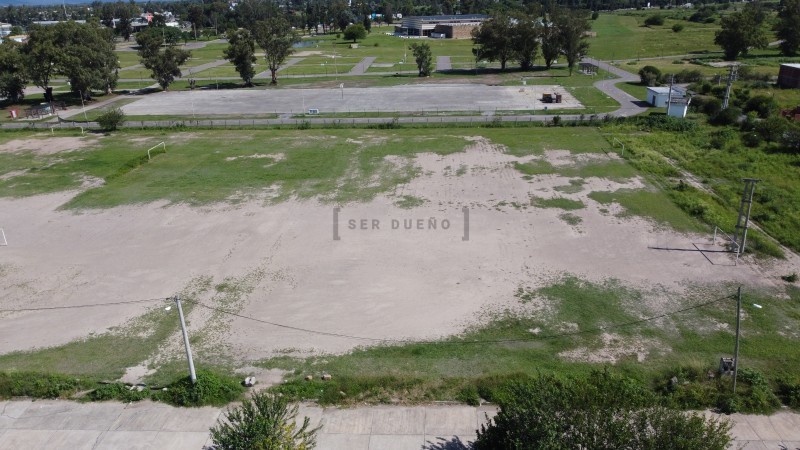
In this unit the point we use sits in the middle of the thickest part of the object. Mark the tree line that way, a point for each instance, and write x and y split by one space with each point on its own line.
748 29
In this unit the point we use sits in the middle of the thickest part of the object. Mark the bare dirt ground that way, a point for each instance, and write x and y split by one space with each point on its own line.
391 274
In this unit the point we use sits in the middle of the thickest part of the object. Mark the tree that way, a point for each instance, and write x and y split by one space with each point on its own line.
649 75
423 57
525 33
600 411
494 41
551 44
265 421
787 28
241 52
111 119
41 54
276 37
741 31
87 57
196 17
355 32
572 25
367 24
12 71
655 19
163 63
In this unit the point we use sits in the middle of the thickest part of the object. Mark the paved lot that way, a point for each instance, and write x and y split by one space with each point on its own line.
442 97
55 424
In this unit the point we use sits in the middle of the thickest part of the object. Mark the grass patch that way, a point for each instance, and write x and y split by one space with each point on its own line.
557 202
571 219
651 204
409 201
575 185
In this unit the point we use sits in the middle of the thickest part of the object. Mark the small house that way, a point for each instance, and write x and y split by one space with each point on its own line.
659 95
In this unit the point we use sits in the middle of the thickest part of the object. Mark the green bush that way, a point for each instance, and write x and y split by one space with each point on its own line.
654 20
677 28
111 119
727 116
38 385
266 421
649 75
210 389
763 105
119 392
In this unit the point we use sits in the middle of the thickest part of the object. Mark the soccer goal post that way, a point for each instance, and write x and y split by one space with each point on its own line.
3 241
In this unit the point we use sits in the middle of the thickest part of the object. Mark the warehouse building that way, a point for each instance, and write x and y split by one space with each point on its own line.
449 27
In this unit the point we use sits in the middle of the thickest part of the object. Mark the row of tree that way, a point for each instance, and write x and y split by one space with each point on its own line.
518 36
82 53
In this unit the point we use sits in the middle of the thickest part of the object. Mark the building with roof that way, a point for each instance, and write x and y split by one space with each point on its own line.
451 27
674 99
5 29
789 76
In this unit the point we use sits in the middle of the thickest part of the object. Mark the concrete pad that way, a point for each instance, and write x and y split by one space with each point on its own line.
762 425
191 419
748 445
314 414
45 415
11 410
126 440
792 445
398 420
741 430
786 425
100 416
343 441
450 420
73 439
449 442
143 416
350 421
26 439
396 442
178 439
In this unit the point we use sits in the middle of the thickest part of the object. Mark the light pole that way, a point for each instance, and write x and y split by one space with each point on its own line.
192 373
736 347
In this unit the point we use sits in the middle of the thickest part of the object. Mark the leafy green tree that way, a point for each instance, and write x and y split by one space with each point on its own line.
788 27
265 421
367 24
276 37
572 25
601 411
87 57
423 57
526 32
494 40
241 52
165 65
41 54
197 18
762 105
354 32
12 71
111 119
654 20
741 31
551 40
649 75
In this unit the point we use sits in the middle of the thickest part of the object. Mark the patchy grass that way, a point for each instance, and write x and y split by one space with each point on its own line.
557 202
571 219
409 201
651 204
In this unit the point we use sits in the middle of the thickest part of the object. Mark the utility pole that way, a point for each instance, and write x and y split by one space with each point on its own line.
192 374
743 222
736 348
731 79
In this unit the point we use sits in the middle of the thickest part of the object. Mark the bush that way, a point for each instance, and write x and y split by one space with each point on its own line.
677 28
762 105
547 412
791 278
772 128
210 389
654 20
649 75
38 385
595 15
727 116
111 119
751 139
265 421
119 392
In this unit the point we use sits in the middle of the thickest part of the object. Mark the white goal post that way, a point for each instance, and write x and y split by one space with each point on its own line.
160 144
3 241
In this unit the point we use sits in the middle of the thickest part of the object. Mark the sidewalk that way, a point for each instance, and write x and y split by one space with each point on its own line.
57 424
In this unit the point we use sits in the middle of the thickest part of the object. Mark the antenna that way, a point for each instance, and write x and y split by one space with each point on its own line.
731 79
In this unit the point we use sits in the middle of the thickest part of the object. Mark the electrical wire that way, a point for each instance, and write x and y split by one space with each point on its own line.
90 305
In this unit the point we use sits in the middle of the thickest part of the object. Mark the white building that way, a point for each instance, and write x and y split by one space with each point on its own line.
5 29
676 102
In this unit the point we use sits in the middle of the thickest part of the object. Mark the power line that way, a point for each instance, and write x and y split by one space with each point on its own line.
489 341
89 305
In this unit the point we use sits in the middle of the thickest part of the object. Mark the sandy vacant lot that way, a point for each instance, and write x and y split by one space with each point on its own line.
382 282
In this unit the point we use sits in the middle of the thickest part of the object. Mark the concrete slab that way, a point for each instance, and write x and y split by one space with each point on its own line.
786 425
449 442
100 417
314 414
126 440
191 419
45 415
398 420
792 445
178 439
748 445
409 98
762 425
742 430
343 441
143 416
395 442
450 420
10 411
73 439
26 438
349 421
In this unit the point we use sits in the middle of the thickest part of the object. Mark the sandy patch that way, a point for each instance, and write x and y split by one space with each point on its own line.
614 347
12 174
275 157
48 146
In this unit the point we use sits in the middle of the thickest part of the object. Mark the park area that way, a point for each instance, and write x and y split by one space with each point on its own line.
400 256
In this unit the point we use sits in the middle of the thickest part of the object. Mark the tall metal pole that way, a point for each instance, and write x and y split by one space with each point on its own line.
743 221
736 348
192 374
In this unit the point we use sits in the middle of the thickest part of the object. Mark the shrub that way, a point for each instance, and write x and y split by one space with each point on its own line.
654 20
649 75
265 421
111 119
677 28
751 139
772 128
791 278
762 105
119 392
595 15
210 389
727 116
38 385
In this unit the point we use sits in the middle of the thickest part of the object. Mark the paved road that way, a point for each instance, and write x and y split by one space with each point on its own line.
58 424
361 67
443 63
629 105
